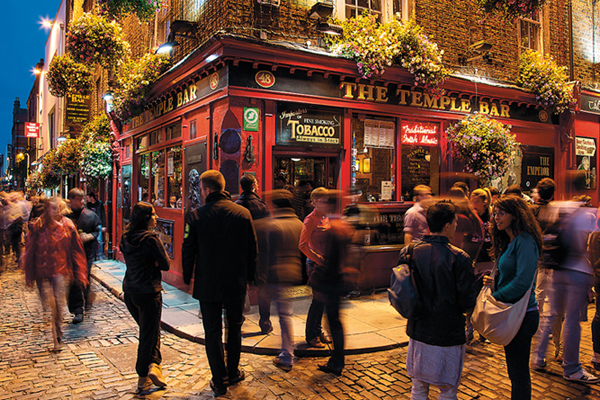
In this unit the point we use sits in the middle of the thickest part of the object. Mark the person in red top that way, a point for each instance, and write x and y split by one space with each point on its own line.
54 256
313 243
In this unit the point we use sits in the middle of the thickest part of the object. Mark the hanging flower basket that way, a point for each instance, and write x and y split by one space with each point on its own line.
68 156
67 76
144 9
511 8
34 181
485 145
97 129
375 46
135 79
547 80
94 39
50 175
96 160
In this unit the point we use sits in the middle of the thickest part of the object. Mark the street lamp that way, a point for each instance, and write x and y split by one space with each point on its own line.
20 158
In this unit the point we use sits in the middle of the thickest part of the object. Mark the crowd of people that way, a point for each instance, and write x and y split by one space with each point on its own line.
550 249
270 242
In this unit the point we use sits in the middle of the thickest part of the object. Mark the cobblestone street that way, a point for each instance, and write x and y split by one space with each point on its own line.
99 357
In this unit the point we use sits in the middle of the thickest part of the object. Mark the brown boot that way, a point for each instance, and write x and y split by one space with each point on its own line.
144 385
155 374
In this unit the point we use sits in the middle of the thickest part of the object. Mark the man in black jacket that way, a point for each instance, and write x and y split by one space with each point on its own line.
219 249
444 277
88 225
250 200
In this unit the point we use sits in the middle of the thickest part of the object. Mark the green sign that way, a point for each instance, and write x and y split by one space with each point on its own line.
251 118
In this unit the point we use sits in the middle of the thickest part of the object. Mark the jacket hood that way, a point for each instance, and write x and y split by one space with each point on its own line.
134 240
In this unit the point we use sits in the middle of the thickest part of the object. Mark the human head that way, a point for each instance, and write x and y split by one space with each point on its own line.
142 217
248 183
211 181
75 197
92 197
51 209
546 188
463 186
494 192
457 193
440 214
280 182
306 187
282 198
512 213
319 198
481 200
422 193
514 190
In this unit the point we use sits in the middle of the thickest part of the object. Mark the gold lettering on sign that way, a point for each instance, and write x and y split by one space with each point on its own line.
465 105
365 90
545 161
431 102
349 89
381 94
416 99
403 94
484 108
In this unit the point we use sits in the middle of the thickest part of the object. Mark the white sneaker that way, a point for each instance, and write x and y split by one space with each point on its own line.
582 376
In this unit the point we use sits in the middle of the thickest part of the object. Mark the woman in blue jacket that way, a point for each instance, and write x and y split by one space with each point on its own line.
517 240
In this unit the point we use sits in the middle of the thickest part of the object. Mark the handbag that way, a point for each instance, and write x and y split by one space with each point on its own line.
497 321
403 292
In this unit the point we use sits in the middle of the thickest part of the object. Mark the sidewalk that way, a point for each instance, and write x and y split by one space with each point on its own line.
370 323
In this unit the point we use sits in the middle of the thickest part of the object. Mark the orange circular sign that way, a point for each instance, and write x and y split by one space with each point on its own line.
265 79
214 81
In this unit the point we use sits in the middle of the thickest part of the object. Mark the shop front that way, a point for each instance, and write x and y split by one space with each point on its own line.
278 112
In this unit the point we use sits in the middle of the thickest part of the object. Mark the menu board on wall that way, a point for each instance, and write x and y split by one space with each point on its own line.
77 109
416 168
585 155
379 133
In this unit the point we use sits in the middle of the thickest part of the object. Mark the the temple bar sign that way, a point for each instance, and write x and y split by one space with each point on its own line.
301 124
77 109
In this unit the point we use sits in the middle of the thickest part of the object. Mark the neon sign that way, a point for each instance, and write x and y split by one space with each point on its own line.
420 133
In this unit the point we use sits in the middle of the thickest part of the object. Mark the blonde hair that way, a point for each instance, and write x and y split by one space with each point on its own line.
319 193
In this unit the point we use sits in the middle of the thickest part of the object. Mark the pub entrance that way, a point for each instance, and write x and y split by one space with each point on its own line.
321 171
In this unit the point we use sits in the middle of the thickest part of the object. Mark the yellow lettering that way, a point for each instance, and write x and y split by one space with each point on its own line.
348 88
417 99
381 94
170 106
179 99
545 161
504 110
431 101
403 94
494 110
193 89
484 107
445 102
186 96
160 108
454 108
365 90
465 105
293 123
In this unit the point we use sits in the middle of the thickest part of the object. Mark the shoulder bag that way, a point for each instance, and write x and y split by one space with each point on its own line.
497 321
403 292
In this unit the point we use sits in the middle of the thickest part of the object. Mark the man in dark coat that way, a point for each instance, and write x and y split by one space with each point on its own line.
250 200
219 250
88 225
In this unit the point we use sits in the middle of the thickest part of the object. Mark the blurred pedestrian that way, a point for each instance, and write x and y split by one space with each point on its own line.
568 294
517 241
15 221
219 250
250 200
53 257
312 244
302 201
284 269
94 204
89 226
415 221
145 257
444 276
327 278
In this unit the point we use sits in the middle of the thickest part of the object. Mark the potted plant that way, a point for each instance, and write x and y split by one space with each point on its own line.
94 39
485 145
67 76
542 76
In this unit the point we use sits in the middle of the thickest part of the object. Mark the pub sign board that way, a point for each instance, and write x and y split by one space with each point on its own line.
537 164
307 125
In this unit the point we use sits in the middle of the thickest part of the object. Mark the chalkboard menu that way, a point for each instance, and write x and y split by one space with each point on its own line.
416 167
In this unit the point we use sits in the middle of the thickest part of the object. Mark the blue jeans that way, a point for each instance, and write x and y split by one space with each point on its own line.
568 297
517 357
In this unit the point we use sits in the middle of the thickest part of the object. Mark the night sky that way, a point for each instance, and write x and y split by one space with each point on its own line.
24 44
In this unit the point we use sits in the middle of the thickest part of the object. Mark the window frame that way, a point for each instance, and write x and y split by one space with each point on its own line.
387 9
531 22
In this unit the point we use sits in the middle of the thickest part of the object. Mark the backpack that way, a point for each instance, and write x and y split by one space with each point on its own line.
555 246
403 292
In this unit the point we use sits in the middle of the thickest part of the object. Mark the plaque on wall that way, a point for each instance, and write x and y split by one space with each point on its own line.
585 155
166 229
537 163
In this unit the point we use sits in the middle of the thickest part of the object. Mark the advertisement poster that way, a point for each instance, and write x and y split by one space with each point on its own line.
305 125
537 163
165 229
585 157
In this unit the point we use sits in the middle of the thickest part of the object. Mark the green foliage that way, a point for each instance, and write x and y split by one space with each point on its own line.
144 9
96 160
65 75
98 129
546 79
485 145
375 46
511 8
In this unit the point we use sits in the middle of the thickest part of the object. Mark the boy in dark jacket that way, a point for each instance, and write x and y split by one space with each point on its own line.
444 276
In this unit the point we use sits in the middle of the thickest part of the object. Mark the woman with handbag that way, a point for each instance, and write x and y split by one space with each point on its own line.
516 244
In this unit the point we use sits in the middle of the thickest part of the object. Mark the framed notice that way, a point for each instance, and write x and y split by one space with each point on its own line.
585 156
166 229
379 133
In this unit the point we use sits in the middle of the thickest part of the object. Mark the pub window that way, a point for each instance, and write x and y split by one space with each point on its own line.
193 129
421 157
155 137
143 177
158 178
383 9
373 155
174 175
173 131
141 143
530 32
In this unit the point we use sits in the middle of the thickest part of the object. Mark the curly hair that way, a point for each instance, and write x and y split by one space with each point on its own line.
523 221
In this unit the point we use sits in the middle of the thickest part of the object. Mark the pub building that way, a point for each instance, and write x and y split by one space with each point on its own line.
242 106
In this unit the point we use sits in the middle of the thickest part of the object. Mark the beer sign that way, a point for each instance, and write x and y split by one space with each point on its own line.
420 133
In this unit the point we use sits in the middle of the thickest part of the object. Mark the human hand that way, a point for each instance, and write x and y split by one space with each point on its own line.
488 281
